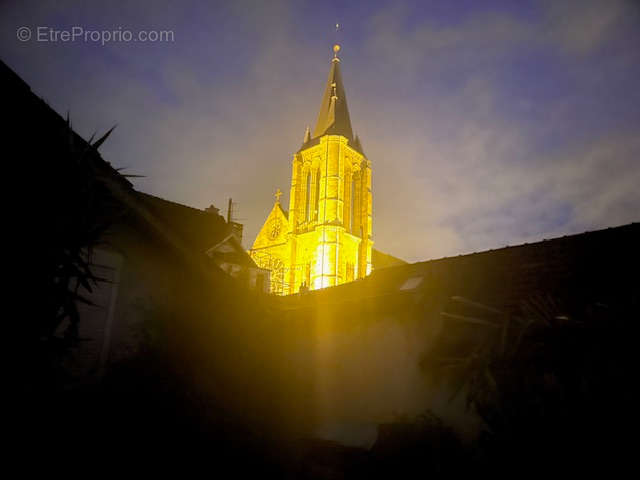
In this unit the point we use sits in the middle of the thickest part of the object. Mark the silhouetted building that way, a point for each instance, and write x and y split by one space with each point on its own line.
376 342
148 247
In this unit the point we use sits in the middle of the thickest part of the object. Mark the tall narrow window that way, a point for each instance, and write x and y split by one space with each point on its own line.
308 215
352 204
317 199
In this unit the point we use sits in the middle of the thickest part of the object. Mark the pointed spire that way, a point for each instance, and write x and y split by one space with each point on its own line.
307 135
333 118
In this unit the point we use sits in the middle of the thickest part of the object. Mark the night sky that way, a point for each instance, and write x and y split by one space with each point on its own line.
487 123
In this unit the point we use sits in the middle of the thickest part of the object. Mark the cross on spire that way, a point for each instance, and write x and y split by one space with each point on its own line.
278 194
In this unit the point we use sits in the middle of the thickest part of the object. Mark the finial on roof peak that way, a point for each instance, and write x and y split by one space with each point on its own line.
336 49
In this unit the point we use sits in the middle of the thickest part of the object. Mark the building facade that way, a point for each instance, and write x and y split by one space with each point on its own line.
325 237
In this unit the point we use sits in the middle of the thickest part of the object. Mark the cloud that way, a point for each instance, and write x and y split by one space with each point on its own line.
469 152
581 26
409 50
486 182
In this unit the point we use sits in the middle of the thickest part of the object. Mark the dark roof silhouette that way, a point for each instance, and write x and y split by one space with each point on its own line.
384 260
601 265
197 229
46 135
41 131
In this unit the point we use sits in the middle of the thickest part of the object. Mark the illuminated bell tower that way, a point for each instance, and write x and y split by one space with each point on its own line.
324 239
330 204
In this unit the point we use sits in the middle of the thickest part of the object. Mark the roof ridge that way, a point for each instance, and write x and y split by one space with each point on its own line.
155 197
537 242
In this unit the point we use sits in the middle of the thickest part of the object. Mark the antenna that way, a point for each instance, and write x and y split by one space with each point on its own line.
232 212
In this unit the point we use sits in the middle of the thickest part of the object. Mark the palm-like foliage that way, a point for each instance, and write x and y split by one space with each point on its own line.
550 382
80 206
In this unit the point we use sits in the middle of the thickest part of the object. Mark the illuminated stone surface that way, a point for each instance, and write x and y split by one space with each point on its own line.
325 238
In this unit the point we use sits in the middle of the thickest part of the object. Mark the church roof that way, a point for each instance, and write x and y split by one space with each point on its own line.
333 118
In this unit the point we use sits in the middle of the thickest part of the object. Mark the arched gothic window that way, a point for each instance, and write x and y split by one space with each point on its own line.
308 211
352 204
317 199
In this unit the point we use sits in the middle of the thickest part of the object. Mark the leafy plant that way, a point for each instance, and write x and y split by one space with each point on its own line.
548 381
80 207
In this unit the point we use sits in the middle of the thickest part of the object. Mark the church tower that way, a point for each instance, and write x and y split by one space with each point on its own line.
325 238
